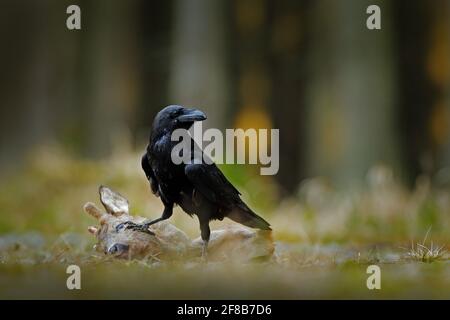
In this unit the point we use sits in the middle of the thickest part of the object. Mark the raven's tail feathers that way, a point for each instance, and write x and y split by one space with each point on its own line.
248 218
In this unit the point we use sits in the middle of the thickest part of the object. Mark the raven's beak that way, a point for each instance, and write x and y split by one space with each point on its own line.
191 115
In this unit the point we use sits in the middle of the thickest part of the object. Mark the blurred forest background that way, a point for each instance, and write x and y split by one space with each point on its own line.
345 98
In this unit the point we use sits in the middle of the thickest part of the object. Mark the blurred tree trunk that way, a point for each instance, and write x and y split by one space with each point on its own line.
155 43
351 118
25 116
289 41
108 75
198 73
416 94
436 79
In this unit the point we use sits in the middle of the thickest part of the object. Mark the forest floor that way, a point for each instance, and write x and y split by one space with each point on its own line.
324 239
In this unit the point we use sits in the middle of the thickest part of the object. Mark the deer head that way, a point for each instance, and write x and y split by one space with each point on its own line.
125 243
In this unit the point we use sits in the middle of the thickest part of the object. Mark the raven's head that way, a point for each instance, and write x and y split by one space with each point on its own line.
176 117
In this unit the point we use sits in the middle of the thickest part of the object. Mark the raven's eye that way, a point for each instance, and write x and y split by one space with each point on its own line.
175 114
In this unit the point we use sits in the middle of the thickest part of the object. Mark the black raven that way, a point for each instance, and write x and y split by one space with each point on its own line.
198 188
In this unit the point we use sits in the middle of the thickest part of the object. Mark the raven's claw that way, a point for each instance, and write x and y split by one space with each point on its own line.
135 227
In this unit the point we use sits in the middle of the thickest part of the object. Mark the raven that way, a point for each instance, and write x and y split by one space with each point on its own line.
198 188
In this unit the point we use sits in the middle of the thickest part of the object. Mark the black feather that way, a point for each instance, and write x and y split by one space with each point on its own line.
199 189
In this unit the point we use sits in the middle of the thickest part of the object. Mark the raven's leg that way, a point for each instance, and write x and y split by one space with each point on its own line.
205 232
143 227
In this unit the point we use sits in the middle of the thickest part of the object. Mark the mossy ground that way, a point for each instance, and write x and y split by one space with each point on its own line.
325 239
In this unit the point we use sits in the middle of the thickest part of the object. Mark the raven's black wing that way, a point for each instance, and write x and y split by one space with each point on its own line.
149 174
212 184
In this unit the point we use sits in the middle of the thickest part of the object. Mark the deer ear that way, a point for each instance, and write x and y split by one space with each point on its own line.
92 209
113 202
